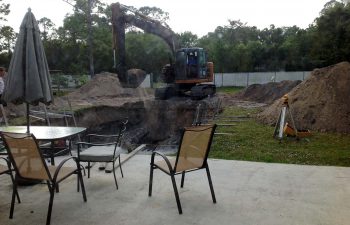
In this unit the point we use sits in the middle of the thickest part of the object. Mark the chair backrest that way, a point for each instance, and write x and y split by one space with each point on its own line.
194 147
25 156
121 132
3 117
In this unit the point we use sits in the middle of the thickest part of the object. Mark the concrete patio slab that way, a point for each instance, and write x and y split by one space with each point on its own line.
247 193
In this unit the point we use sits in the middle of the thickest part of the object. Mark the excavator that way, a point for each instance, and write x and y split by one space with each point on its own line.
190 74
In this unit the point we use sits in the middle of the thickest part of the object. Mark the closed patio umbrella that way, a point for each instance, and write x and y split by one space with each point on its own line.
28 79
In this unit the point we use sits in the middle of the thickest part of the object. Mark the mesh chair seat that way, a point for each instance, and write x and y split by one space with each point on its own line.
37 173
64 172
181 166
100 153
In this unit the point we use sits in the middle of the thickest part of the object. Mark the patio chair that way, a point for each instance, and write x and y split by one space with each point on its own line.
2 148
106 150
29 164
6 169
192 155
3 117
63 117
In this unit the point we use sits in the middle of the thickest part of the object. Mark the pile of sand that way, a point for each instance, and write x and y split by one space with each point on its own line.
267 93
103 90
104 85
319 103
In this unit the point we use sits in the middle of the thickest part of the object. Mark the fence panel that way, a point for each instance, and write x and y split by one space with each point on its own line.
246 79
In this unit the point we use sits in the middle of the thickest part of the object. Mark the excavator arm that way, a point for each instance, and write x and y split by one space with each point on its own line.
120 19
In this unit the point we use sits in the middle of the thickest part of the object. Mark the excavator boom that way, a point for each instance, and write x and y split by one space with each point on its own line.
149 25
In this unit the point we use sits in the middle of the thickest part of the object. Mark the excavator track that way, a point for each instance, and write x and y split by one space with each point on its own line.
201 91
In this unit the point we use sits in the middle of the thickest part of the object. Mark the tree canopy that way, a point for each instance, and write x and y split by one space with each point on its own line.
233 47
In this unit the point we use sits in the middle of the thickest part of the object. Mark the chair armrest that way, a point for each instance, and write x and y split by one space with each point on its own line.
61 165
164 158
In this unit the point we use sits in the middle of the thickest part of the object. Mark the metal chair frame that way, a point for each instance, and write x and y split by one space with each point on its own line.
9 172
116 143
172 170
52 181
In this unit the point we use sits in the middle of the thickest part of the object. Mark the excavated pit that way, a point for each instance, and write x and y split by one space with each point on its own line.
102 102
155 122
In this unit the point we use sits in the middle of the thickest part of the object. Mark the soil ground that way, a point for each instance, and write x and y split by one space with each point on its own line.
320 102
267 93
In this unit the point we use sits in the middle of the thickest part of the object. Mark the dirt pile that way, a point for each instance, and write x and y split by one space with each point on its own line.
267 93
104 85
105 89
135 78
319 103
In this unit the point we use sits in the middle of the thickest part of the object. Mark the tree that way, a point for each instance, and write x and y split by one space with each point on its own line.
147 52
7 38
331 34
187 39
5 34
86 8
233 47
4 10
155 13
48 27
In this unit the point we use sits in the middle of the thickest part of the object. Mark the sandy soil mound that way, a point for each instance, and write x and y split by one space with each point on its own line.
105 89
104 85
319 103
267 93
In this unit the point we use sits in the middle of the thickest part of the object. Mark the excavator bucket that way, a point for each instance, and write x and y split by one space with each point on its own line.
133 78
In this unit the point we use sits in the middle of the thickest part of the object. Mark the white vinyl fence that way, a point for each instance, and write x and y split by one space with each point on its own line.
246 79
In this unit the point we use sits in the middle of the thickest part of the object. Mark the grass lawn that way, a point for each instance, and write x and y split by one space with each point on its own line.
252 141
229 90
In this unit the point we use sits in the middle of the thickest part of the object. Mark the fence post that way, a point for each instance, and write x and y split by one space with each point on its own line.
151 80
222 79
247 79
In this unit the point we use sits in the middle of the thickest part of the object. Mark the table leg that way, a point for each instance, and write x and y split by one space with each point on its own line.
52 153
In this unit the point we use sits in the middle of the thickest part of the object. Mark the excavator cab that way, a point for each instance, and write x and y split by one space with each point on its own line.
190 65
191 73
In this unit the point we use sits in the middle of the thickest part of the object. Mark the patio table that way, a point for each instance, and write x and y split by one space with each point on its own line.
46 133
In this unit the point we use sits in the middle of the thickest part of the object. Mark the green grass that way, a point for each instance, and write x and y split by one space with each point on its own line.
229 90
252 141
19 121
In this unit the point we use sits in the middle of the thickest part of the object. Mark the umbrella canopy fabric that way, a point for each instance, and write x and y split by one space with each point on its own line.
28 77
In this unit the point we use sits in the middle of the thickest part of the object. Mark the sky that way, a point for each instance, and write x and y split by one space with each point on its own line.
199 16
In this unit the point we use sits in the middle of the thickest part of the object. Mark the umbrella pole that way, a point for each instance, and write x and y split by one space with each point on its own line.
28 118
